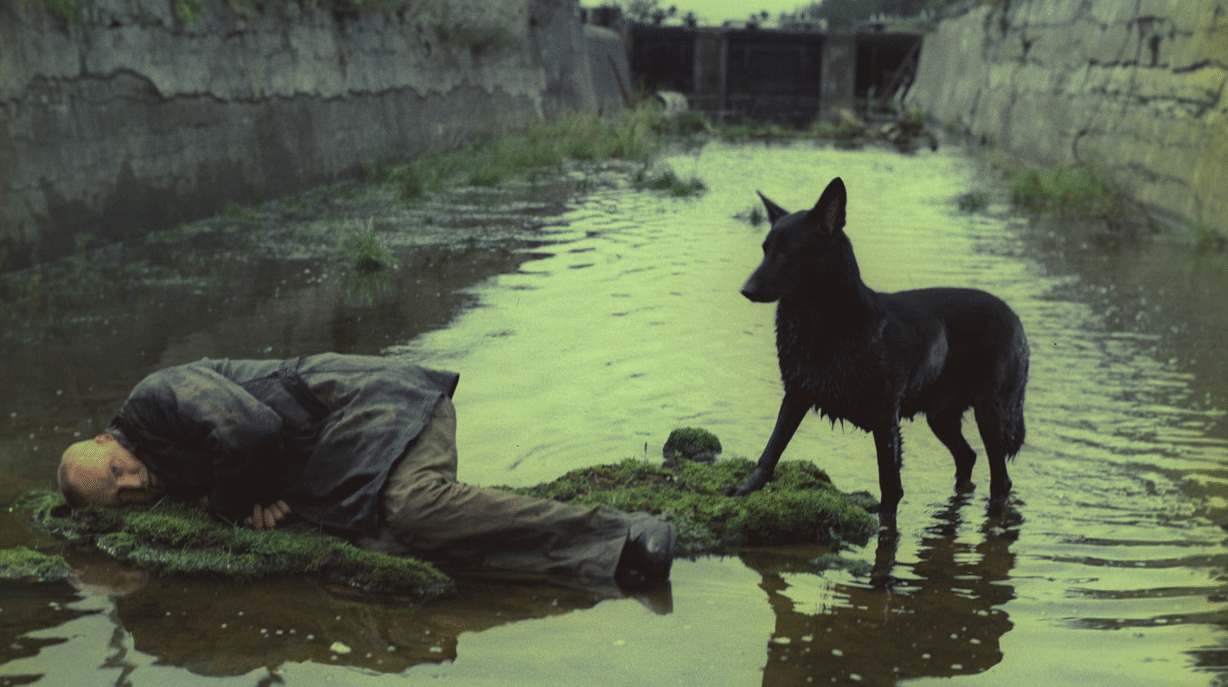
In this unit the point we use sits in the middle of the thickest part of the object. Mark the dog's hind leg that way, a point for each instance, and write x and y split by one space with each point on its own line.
792 410
946 425
891 490
994 427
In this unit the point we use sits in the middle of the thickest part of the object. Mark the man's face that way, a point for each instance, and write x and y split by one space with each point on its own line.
104 473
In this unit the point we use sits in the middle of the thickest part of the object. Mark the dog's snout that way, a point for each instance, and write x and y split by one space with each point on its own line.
753 291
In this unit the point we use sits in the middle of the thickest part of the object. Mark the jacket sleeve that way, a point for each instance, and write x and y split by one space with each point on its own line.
204 429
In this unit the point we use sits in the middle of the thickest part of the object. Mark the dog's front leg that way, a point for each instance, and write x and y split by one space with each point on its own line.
890 460
792 409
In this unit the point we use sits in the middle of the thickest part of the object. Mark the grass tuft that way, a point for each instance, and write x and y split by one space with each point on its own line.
1075 191
363 248
670 183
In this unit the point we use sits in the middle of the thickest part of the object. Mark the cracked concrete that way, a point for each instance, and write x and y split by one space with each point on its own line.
1135 88
130 120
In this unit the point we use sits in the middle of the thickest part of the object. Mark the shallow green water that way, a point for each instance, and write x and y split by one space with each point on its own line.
588 331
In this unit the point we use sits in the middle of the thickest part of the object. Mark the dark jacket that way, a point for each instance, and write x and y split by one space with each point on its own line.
320 432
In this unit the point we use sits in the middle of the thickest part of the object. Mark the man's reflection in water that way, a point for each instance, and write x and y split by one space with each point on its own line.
938 617
221 629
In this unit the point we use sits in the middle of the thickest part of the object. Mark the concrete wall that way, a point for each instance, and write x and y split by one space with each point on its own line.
1136 89
607 56
130 119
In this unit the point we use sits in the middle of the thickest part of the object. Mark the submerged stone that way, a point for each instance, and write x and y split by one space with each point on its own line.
175 538
800 505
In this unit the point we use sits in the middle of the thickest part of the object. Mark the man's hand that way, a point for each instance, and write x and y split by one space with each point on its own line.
267 517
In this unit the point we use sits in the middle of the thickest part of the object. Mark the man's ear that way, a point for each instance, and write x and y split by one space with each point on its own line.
103 438
775 212
828 214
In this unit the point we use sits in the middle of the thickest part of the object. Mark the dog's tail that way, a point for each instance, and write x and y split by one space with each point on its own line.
1013 391
1013 429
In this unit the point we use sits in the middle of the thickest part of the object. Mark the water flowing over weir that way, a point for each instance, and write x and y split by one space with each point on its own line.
617 319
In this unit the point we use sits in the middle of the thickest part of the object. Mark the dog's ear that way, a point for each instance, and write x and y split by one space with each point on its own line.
775 212
828 213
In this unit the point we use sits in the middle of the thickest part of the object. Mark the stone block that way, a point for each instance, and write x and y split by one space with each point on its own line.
1136 89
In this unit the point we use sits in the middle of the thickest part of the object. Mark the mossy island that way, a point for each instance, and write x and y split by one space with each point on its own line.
799 506
173 538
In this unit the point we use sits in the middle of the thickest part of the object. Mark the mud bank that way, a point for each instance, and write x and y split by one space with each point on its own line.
1134 89
127 118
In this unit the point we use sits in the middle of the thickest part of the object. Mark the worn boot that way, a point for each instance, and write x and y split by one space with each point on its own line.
648 553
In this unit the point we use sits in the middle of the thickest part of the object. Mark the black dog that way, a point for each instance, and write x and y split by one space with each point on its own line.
872 358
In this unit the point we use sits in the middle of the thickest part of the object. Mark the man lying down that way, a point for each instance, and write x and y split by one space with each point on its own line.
362 446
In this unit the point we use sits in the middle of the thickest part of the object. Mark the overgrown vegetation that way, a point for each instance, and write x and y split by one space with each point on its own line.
636 136
907 133
1078 190
799 506
363 248
1065 192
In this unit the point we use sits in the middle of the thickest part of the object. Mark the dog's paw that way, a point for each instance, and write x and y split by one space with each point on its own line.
752 484
736 490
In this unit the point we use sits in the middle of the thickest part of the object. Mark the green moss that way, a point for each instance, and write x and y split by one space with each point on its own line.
799 506
691 443
25 564
176 539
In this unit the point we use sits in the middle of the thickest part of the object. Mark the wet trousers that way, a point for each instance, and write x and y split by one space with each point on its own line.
464 529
